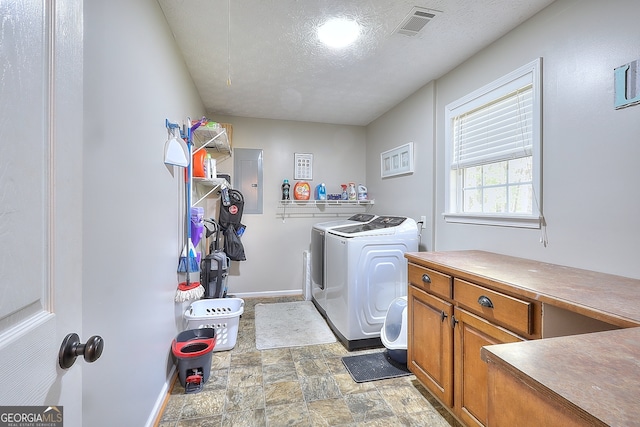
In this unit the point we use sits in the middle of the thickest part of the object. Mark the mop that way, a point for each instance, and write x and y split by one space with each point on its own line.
188 261
188 291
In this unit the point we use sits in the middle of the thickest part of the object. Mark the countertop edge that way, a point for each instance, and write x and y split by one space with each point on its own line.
509 286
596 400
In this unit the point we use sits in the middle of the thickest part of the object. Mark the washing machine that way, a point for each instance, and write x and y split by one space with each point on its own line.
318 232
365 271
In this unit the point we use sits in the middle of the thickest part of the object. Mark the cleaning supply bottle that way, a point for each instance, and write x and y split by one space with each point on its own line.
198 163
345 195
210 169
321 192
352 191
197 226
285 190
362 192
205 166
301 191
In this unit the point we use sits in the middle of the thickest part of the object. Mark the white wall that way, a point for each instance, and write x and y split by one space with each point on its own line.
406 195
274 247
134 79
590 150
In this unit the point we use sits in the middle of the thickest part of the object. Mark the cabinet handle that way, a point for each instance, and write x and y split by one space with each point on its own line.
454 321
426 278
485 301
443 316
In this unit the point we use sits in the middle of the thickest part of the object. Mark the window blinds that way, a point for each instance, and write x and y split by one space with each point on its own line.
499 130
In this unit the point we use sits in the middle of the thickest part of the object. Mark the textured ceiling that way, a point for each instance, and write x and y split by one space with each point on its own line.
265 61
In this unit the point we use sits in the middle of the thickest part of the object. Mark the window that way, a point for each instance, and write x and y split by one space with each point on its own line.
493 152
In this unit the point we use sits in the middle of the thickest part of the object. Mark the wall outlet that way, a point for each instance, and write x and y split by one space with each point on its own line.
423 219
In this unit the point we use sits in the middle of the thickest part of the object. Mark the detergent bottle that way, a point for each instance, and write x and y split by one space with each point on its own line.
301 191
362 192
321 192
285 190
199 159
345 195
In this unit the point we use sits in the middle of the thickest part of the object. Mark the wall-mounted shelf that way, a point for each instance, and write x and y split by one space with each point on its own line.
312 203
322 208
209 186
213 138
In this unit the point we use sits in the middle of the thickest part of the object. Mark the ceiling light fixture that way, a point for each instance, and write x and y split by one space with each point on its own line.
339 32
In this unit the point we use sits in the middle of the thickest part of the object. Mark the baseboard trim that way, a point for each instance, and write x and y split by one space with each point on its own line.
267 294
163 398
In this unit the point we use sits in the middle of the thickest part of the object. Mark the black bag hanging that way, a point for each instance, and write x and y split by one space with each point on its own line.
231 208
233 245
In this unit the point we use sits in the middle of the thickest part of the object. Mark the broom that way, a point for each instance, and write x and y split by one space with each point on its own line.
188 262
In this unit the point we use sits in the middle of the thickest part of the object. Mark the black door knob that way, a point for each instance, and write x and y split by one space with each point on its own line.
72 348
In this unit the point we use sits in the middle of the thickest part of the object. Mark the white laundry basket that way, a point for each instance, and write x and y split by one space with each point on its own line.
221 314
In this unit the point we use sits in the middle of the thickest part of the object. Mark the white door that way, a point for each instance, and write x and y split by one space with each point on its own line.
40 202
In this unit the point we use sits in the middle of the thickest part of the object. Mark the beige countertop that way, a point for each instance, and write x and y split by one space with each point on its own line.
607 297
596 373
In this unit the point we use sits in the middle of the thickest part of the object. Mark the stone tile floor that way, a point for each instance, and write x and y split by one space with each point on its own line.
298 386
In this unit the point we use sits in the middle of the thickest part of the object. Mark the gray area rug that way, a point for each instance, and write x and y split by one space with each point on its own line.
290 324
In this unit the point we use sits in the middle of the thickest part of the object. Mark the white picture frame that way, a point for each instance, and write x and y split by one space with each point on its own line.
303 166
397 161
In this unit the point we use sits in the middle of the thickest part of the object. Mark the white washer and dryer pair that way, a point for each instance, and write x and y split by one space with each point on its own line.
318 255
365 272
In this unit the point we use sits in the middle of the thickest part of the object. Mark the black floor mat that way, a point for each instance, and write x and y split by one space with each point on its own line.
374 366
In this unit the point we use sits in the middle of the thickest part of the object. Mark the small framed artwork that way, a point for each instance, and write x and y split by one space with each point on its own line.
303 166
397 161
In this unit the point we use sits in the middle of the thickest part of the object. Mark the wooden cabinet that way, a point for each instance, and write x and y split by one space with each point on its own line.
450 320
463 302
430 347
471 333
514 313
528 406
431 281
580 380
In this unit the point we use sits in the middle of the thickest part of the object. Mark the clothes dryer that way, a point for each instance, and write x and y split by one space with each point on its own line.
366 270
318 232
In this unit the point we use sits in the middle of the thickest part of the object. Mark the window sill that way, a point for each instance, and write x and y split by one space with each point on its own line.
519 221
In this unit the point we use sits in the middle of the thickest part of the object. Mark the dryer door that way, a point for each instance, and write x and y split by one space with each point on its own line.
382 277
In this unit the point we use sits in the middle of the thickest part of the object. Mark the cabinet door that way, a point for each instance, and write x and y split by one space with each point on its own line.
515 402
471 333
430 355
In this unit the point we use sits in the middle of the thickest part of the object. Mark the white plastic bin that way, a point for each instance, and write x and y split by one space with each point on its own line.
221 314
394 330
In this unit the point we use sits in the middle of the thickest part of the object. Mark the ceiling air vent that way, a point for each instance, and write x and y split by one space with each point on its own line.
415 21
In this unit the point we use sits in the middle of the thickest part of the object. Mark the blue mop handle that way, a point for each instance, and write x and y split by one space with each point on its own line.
188 189
190 131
